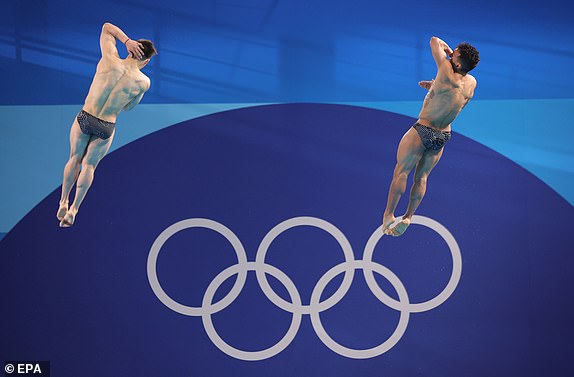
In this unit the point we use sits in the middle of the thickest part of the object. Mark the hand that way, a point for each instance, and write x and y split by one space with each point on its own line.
449 51
426 84
135 48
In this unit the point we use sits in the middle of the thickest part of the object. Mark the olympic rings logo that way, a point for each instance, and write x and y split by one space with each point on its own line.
316 306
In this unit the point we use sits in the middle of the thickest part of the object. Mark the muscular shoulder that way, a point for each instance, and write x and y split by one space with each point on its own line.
445 73
109 62
144 82
470 83
445 67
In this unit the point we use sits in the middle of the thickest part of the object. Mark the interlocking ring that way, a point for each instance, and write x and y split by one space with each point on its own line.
437 300
296 307
197 223
301 221
349 352
256 355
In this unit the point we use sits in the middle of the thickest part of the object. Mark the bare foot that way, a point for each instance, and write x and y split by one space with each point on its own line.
62 211
68 220
400 228
388 220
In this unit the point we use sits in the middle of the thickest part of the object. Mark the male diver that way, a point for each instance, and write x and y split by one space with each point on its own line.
118 85
423 144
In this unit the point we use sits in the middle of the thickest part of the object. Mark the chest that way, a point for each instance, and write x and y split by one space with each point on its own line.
456 89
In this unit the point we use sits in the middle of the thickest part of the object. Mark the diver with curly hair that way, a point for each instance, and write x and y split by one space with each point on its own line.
422 145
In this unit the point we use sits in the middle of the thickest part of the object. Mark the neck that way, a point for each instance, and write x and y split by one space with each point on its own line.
456 69
134 62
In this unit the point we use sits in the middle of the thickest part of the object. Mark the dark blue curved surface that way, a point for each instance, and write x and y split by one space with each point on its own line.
80 297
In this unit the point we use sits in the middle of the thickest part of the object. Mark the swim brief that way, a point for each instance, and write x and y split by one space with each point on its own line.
432 138
90 125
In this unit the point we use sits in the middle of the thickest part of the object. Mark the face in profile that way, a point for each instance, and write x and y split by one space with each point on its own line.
455 61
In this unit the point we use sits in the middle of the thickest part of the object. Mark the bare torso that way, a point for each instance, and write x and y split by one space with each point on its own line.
447 96
117 82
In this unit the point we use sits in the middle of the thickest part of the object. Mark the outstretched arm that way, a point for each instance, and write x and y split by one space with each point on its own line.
439 48
108 42
426 84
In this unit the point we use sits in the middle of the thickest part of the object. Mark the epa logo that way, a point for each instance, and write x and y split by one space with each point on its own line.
27 368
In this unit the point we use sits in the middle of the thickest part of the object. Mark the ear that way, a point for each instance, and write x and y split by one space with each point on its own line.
144 62
457 64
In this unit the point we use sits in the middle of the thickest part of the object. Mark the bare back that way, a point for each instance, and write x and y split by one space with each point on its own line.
114 86
118 83
448 95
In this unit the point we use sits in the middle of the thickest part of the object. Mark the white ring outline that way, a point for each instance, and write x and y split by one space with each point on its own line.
251 355
196 223
296 308
438 299
317 223
350 352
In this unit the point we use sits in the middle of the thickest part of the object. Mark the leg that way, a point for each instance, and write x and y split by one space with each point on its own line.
409 152
97 149
424 167
78 143
418 190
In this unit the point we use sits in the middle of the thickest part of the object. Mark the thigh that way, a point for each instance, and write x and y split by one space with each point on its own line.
427 162
97 149
78 140
410 151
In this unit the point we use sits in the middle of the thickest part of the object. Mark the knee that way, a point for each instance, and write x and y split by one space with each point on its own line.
88 166
86 176
75 160
421 181
400 175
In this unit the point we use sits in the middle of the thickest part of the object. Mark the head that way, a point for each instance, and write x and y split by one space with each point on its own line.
464 58
148 50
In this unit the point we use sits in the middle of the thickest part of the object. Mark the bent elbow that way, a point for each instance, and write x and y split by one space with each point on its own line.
106 26
433 40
